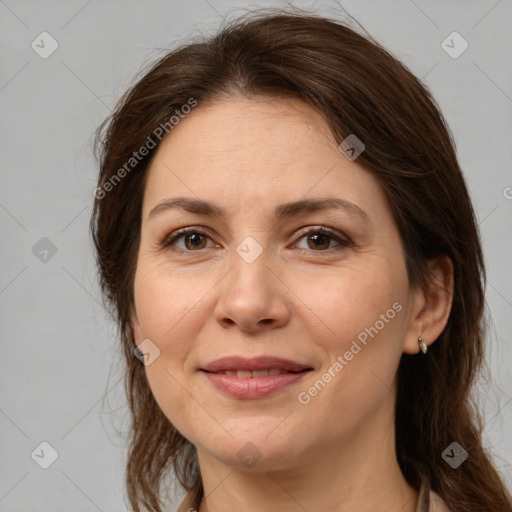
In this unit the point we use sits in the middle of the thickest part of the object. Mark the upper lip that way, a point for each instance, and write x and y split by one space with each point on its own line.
254 363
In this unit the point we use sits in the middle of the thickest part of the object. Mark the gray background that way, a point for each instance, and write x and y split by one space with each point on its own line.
60 366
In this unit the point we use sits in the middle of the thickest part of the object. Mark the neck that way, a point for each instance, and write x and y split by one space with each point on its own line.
357 474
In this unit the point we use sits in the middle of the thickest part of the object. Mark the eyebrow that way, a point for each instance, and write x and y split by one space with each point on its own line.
285 210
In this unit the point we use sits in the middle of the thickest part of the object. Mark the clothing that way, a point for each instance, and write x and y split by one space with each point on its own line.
428 500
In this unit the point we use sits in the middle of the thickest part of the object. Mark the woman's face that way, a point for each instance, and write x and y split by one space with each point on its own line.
277 341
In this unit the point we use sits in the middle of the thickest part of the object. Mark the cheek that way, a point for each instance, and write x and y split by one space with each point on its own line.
364 317
170 312
167 303
349 300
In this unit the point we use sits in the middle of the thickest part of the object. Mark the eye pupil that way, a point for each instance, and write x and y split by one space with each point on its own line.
318 239
195 240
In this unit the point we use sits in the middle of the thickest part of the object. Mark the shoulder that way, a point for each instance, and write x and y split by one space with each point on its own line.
437 504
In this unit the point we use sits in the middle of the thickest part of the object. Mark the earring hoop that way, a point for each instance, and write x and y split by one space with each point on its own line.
423 345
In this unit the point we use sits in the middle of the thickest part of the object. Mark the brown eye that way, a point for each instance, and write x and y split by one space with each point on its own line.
186 240
318 241
323 240
195 241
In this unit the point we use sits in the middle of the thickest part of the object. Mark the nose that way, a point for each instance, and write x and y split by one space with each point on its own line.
252 297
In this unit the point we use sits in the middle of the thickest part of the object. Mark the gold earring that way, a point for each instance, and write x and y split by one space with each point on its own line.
423 345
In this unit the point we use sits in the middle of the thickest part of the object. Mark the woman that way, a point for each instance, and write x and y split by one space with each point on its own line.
286 237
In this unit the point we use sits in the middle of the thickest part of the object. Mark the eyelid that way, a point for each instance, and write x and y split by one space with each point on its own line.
175 235
334 233
341 238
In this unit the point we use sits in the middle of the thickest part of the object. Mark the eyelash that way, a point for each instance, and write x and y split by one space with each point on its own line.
344 242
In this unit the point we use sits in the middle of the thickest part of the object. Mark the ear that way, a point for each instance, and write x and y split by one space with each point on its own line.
431 306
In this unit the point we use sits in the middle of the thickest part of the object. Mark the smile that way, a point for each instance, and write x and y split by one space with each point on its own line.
255 374
254 377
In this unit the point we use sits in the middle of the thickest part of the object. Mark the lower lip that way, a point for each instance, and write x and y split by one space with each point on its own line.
253 387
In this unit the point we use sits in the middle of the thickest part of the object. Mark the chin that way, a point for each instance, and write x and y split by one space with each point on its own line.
255 450
248 457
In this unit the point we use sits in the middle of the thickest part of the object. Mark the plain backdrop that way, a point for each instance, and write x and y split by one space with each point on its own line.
60 377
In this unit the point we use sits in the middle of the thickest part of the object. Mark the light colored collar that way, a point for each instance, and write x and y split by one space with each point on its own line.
428 500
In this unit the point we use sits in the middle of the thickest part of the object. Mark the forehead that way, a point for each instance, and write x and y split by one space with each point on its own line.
258 150
259 128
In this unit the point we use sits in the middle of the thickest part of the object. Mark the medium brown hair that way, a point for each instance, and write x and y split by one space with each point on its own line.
359 88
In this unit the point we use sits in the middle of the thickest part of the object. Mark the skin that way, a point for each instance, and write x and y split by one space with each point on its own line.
300 299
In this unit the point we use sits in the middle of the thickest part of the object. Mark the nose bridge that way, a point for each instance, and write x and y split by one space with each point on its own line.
250 276
250 250
251 296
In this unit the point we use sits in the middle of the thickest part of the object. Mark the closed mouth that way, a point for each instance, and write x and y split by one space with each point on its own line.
248 378
253 367
255 374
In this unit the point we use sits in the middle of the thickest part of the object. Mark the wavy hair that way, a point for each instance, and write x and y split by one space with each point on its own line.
360 88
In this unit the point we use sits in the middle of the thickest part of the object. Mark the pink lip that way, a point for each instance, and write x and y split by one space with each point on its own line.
253 364
253 387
